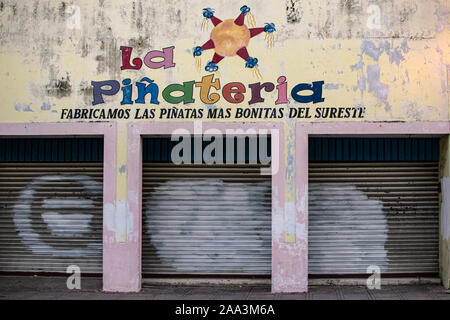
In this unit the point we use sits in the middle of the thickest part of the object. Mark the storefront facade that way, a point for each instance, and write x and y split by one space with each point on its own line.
354 174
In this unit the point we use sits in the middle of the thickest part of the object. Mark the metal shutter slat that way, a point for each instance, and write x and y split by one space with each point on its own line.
373 213
209 220
32 238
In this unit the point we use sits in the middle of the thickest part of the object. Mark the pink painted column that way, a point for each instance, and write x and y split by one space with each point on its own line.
301 192
122 219
121 260
290 251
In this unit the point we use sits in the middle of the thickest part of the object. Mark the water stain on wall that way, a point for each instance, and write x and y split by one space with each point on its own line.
59 87
293 11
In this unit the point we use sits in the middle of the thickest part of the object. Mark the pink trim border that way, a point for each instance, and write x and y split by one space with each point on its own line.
108 132
304 130
122 261
137 130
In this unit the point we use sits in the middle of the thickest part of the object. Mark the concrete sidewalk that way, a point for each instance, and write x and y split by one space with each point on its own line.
55 288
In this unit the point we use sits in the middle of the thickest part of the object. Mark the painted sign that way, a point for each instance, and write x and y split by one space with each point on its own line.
151 69
228 38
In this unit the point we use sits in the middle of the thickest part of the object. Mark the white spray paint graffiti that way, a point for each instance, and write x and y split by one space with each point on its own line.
59 224
65 225
340 226
198 234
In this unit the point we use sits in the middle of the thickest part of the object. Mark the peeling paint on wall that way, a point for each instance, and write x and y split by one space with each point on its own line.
45 106
332 86
380 89
22 107
118 219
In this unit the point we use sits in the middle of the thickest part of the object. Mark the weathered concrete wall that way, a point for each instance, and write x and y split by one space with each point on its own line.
394 65
389 57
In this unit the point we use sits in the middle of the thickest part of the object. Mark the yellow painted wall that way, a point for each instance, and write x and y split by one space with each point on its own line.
42 54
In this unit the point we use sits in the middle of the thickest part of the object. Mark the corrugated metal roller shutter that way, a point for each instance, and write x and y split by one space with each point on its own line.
200 219
50 216
373 213
373 149
51 150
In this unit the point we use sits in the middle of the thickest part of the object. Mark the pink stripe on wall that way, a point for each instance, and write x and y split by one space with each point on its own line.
55 129
374 128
